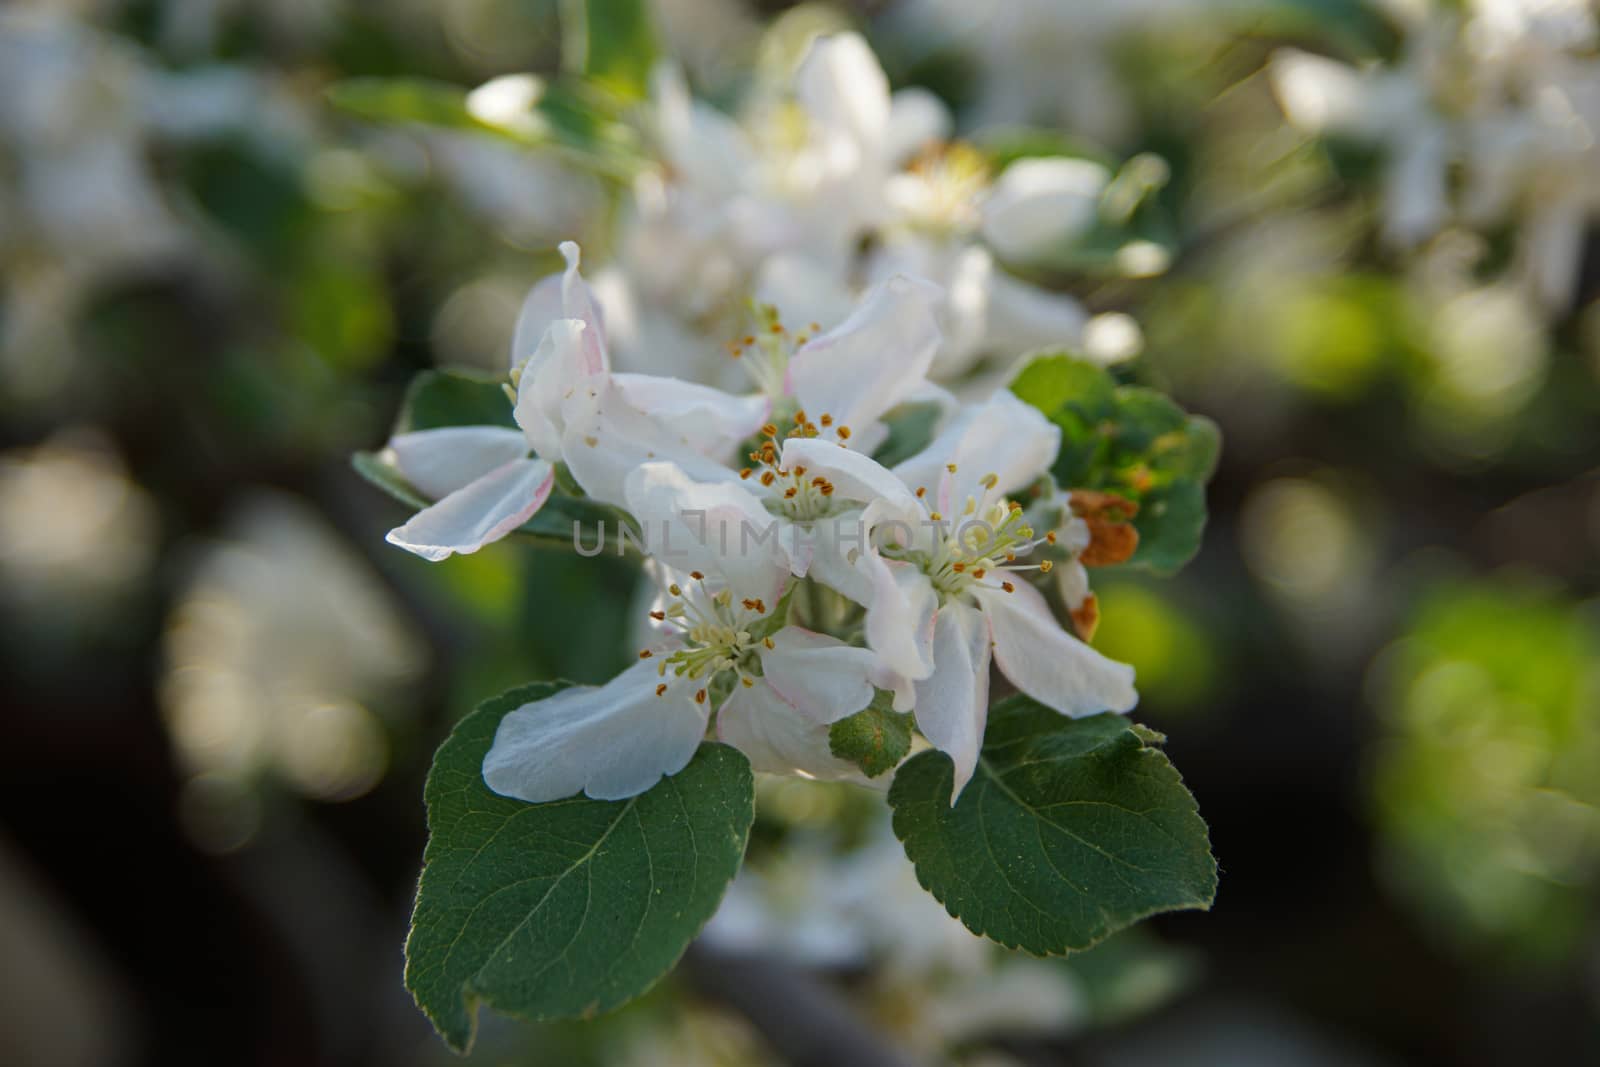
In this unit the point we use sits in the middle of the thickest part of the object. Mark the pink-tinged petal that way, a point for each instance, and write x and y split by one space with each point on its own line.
842 87
952 705
900 618
715 421
822 677
606 438
1005 437
874 359
854 476
719 529
1049 664
1039 204
609 742
439 462
560 296
777 738
478 513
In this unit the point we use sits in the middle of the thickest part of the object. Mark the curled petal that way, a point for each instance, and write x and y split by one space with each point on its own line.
560 296
548 380
1046 662
952 704
439 462
610 742
483 511
874 359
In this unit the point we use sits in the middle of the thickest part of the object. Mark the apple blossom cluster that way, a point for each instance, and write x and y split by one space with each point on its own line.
799 579
814 192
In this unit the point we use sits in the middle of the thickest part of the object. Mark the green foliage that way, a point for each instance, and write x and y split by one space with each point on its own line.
875 738
565 909
1487 783
421 100
1070 830
440 398
611 43
1131 441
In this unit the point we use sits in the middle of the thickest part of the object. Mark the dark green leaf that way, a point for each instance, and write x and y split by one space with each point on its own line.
566 909
1131 441
875 739
1070 830
440 398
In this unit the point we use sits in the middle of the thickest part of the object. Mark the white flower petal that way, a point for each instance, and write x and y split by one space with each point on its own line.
874 359
712 420
610 742
843 88
854 476
952 705
703 145
1024 316
900 618
1037 205
560 296
777 738
606 438
916 119
439 462
549 377
1005 437
1049 664
483 511
822 677
803 290
719 529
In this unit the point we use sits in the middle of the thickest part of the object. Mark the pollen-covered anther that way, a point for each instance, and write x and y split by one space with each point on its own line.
789 493
844 433
1008 587
645 653
745 472
661 690
697 576
951 467
769 430
767 641
675 589
1046 566
826 420
659 616
990 480
746 681
767 477
699 696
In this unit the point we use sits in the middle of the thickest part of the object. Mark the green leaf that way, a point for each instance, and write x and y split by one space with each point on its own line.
610 42
1070 830
423 100
875 738
567 909
1131 441
440 398
911 429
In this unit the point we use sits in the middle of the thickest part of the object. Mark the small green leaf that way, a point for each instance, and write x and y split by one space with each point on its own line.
1131 441
911 429
875 738
567 909
1070 830
610 42
440 398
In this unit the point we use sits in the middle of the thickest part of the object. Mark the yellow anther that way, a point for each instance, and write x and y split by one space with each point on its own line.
1045 566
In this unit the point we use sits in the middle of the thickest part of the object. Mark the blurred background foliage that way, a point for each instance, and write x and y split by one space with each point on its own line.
232 231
